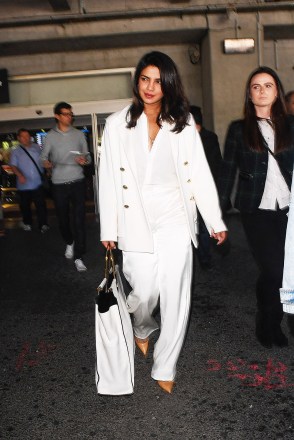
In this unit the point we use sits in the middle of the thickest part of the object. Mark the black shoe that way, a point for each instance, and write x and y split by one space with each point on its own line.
44 229
264 340
206 266
263 330
279 339
290 321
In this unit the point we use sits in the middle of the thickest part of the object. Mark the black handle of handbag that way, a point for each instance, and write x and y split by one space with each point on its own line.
109 263
109 272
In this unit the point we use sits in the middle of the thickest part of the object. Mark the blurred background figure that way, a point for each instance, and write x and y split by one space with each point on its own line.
290 102
214 159
287 290
209 141
25 163
261 147
2 229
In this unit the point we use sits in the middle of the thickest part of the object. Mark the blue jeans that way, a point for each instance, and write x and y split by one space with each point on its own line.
71 197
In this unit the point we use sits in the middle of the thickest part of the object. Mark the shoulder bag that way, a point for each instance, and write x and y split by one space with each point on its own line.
115 346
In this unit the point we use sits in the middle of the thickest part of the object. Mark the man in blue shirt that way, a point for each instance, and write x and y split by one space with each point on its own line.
29 183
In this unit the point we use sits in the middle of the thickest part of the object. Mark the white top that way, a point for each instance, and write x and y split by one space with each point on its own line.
158 179
276 192
156 166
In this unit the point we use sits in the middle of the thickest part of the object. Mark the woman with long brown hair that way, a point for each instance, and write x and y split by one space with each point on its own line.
261 147
153 171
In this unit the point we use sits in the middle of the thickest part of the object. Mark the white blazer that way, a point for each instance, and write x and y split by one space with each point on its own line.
122 213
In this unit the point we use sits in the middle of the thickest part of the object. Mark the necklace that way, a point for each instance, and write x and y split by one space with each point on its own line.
151 140
153 129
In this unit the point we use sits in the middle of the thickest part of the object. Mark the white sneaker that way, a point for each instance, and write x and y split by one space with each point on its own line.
80 265
69 251
44 229
26 227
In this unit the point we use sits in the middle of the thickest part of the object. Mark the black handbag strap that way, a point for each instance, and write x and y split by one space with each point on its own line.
109 263
284 171
33 160
109 272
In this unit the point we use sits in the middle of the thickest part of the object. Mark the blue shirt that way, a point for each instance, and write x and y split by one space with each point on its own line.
27 167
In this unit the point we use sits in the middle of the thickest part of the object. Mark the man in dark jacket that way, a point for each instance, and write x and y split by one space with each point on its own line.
290 102
214 159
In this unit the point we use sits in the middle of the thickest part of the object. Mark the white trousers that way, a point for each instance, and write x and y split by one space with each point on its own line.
164 275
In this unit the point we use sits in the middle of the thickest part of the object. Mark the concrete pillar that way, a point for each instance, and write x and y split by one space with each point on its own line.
224 75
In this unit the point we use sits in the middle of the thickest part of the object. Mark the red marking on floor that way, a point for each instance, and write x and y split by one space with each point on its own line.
33 355
254 367
272 376
214 365
21 358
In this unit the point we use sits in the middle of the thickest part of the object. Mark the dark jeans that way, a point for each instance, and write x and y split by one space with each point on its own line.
36 196
266 232
67 196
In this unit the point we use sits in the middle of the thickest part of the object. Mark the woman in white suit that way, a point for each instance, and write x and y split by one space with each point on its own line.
153 172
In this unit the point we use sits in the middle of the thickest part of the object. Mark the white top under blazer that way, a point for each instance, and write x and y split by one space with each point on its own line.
155 166
276 192
160 190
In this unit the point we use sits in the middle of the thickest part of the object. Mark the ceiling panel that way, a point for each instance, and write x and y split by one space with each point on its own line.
189 36
59 5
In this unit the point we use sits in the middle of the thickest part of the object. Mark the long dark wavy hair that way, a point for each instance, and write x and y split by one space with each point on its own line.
278 116
174 104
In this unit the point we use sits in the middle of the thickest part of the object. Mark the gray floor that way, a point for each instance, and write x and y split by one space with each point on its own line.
228 386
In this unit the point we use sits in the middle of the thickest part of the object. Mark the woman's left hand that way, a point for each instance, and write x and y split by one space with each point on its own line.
220 236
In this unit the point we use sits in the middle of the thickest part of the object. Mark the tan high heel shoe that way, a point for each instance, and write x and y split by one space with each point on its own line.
142 344
166 385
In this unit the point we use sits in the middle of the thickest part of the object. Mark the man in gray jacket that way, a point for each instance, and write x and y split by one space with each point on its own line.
65 153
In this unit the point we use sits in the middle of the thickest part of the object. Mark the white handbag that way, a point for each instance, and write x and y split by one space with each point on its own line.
115 346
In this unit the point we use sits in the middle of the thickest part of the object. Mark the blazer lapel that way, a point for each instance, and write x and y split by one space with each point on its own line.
128 142
174 143
132 140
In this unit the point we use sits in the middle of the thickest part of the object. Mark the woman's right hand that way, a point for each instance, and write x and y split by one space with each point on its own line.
109 244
